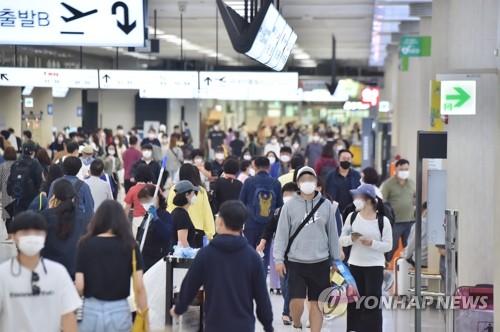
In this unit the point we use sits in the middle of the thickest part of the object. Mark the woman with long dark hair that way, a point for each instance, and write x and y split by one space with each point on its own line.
64 226
112 165
56 171
175 157
104 269
43 158
159 240
200 212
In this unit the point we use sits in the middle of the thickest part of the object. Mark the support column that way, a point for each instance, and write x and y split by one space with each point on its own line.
465 35
191 114
41 98
413 102
10 112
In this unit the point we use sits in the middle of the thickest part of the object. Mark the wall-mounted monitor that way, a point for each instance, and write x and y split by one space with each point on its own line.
267 39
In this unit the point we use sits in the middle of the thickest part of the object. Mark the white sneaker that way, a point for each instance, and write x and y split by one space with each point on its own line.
296 328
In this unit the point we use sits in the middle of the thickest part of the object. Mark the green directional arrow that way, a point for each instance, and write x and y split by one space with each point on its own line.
462 97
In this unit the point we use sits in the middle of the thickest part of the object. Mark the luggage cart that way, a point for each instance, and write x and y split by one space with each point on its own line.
179 263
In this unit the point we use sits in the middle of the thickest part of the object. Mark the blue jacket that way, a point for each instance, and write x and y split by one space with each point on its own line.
232 276
334 182
247 194
275 170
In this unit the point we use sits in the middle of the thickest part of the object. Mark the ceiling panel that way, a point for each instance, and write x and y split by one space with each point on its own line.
314 21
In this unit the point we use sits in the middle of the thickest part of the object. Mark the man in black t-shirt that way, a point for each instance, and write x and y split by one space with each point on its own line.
216 137
237 145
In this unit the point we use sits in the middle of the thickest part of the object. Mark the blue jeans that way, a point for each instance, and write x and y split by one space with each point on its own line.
399 230
105 316
253 237
286 297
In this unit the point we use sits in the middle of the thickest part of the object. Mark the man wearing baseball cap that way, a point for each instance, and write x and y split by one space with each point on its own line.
25 179
305 247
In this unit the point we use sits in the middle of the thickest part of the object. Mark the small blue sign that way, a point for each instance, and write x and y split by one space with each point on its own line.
50 109
79 111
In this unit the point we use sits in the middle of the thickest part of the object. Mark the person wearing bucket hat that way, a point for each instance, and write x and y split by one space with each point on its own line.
369 233
185 196
306 246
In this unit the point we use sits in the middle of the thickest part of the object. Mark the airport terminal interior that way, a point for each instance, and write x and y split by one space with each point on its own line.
389 108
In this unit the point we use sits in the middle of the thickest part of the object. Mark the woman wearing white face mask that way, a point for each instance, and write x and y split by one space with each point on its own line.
246 171
44 292
200 213
112 166
185 196
160 237
369 233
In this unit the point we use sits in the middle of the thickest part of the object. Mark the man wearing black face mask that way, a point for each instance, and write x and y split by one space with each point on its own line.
344 179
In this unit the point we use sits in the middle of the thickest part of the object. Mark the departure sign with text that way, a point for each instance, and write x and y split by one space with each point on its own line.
72 22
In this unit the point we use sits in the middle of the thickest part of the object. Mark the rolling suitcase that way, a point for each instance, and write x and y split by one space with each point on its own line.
402 277
475 309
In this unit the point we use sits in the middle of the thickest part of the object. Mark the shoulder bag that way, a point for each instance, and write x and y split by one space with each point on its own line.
140 322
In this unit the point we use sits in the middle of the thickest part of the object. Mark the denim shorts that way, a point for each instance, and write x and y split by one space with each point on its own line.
105 316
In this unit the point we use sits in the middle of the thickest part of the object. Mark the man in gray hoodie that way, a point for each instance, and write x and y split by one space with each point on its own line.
313 250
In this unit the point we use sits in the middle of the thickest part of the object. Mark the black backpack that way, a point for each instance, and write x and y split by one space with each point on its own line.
20 185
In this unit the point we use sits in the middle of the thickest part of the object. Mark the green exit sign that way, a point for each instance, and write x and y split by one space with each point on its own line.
415 46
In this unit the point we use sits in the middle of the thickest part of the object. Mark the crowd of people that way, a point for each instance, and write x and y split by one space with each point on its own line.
280 199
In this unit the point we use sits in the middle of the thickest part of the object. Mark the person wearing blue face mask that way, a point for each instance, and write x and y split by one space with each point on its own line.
87 158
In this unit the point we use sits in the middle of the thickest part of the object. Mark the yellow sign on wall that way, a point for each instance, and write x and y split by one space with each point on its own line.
437 123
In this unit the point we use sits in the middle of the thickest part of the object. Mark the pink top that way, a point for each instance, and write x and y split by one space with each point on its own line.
130 157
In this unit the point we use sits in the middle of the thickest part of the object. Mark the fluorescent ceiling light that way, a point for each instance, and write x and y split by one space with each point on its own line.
59 92
27 90
302 56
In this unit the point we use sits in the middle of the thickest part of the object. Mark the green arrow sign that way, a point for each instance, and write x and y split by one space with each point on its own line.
461 97
458 97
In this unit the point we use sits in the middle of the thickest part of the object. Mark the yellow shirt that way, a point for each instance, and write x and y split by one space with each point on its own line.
200 213
284 179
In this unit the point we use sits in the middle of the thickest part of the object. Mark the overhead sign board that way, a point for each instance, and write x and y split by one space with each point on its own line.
49 78
458 97
72 22
267 38
415 46
152 84
274 41
249 86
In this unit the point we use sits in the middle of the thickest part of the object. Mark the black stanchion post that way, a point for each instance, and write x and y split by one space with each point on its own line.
430 145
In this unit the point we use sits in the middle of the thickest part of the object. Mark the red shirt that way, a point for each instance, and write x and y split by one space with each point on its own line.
130 157
133 199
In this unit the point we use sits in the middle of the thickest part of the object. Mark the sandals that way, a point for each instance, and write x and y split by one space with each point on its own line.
286 320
